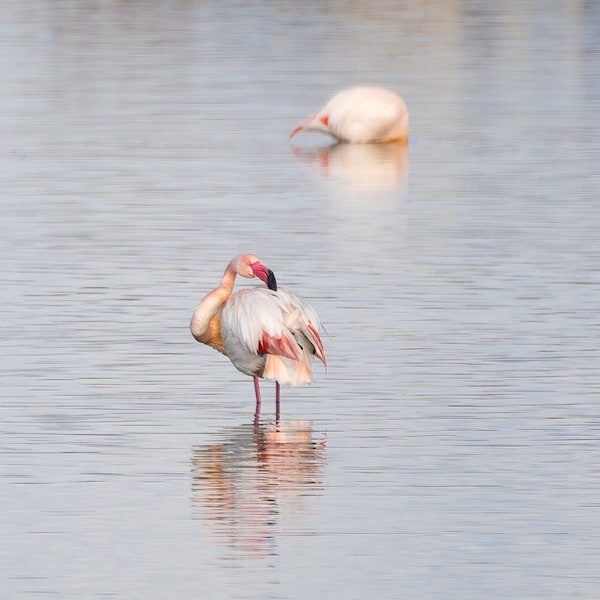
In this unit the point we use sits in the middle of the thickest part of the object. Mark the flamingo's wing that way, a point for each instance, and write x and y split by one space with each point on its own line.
364 114
254 319
271 331
302 320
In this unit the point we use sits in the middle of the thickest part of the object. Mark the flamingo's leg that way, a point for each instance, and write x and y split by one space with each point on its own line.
258 400
277 401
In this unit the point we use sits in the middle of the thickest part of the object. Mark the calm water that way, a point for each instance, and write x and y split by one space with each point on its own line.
451 451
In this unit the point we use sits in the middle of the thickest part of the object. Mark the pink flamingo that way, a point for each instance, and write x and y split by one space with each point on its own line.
265 332
361 115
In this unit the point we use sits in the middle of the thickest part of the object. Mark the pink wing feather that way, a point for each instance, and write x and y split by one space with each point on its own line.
281 346
271 332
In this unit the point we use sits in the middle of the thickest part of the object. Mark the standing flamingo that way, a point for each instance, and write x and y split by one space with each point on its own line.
361 115
265 332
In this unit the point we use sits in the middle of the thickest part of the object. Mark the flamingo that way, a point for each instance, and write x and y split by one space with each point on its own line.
361 115
266 332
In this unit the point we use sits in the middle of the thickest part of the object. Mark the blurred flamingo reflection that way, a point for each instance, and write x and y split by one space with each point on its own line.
362 168
244 484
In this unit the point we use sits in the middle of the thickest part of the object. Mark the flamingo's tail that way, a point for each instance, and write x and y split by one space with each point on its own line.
286 371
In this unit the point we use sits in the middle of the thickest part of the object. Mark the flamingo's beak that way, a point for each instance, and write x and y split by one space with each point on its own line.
265 275
271 281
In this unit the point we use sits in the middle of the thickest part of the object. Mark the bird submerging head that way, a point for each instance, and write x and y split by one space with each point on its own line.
265 331
361 115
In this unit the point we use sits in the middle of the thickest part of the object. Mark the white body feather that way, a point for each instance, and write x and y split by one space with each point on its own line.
255 315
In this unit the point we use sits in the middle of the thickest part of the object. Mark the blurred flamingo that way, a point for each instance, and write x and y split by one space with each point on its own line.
361 115
265 332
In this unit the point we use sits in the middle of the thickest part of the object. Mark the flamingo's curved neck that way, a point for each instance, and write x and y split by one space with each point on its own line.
205 324
228 279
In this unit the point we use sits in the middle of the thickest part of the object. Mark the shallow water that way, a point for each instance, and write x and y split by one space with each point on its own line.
450 451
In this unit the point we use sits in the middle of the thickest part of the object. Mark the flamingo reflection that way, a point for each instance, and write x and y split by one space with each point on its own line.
256 475
359 167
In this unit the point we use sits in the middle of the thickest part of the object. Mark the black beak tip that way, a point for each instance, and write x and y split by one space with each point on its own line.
271 281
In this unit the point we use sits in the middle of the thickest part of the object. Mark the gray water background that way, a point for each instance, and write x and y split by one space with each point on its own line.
450 451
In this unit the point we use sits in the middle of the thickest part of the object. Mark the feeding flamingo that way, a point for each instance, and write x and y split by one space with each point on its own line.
265 332
361 115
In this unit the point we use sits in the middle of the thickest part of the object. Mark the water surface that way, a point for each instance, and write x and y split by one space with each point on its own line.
450 451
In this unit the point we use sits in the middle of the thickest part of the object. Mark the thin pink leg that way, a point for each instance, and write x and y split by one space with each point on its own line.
258 401
277 401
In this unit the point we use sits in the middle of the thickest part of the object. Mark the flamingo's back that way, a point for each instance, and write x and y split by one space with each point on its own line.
271 334
367 114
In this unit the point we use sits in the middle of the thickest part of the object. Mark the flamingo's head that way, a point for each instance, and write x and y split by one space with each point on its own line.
248 265
318 122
